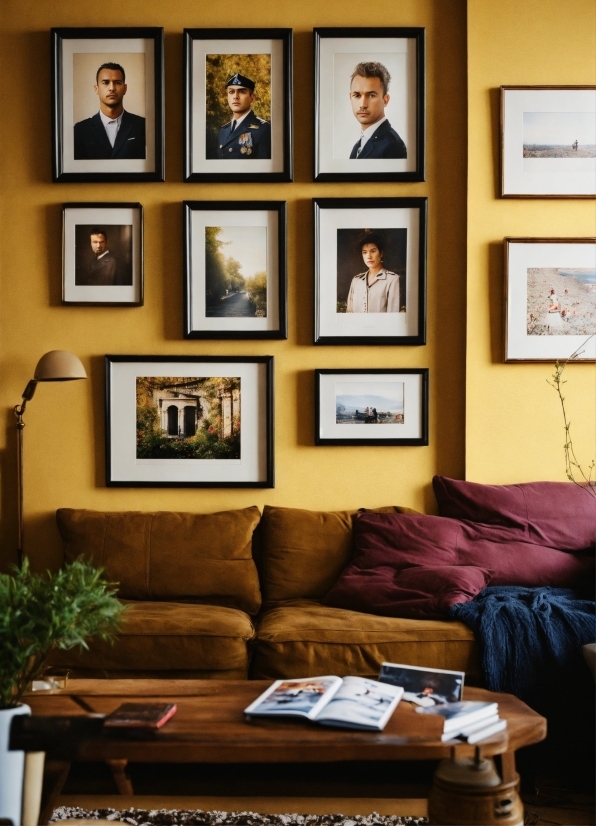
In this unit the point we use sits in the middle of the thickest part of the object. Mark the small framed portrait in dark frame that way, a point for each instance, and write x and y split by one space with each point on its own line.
102 254
370 270
238 104
107 111
369 104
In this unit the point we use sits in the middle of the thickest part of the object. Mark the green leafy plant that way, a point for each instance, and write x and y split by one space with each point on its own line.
55 610
583 478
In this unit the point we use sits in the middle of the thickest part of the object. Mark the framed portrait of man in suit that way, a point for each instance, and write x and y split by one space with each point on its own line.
369 104
102 254
108 122
238 105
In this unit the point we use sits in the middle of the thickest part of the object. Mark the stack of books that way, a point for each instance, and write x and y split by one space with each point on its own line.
467 721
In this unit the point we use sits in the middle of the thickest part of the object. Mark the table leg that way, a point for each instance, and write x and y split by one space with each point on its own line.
121 779
54 778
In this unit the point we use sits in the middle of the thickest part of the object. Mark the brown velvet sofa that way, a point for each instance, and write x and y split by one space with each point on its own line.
237 594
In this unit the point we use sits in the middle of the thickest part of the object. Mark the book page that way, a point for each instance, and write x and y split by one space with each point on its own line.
361 703
304 697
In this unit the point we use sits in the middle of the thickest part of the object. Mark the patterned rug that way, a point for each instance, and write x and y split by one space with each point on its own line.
174 817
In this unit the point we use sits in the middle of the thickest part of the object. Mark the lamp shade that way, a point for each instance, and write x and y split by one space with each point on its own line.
59 365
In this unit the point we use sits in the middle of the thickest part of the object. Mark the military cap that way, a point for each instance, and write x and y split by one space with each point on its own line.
241 80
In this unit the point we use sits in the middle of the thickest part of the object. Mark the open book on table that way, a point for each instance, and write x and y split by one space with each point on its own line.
351 702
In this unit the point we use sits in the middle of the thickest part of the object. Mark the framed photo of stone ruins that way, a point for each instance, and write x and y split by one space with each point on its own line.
369 104
371 407
238 105
107 104
189 421
548 141
550 306
370 271
235 270
102 254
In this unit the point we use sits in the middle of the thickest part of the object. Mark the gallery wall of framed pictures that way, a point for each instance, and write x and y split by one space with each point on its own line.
208 422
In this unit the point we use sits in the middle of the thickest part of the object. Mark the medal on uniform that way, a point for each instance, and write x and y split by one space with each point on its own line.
245 142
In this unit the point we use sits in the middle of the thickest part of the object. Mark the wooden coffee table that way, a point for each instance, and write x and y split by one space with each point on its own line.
210 727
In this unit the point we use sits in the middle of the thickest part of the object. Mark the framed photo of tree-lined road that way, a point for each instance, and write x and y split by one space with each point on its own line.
235 270
238 104
189 421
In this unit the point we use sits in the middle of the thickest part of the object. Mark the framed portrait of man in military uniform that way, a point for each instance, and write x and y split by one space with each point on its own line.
238 104
369 104
108 114
102 254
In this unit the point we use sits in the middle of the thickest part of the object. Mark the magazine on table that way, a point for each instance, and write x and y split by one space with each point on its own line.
425 687
351 702
479 731
458 716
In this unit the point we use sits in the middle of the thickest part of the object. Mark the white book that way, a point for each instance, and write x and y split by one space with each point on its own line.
458 715
470 728
351 702
483 733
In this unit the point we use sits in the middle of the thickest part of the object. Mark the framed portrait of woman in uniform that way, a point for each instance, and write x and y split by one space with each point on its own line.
238 104
370 270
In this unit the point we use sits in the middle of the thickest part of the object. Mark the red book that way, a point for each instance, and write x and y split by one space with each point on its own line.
140 715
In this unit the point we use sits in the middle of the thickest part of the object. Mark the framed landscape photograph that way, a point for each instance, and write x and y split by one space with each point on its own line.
238 104
189 421
370 270
369 104
548 141
371 407
107 104
102 254
550 307
235 269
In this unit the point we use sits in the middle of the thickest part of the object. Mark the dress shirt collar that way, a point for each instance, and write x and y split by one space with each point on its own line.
369 131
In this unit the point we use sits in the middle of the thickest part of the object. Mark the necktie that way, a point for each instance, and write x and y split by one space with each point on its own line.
359 150
112 131
233 125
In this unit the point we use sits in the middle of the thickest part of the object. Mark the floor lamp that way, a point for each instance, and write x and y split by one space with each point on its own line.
57 365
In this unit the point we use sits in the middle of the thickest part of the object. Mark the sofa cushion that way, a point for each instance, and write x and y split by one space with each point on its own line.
305 551
168 555
425 592
555 514
209 640
305 638
390 544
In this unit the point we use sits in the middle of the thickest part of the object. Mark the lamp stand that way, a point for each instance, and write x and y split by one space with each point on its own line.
19 409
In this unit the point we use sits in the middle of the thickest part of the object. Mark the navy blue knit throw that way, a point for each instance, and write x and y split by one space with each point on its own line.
528 636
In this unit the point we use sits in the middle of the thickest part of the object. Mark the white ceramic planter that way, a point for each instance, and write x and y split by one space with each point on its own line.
12 764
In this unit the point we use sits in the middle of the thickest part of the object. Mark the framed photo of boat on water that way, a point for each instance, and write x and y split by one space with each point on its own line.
235 263
550 307
548 141
371 407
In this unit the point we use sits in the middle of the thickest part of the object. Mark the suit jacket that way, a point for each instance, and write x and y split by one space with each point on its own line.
92 143
106 271
384 143
252 139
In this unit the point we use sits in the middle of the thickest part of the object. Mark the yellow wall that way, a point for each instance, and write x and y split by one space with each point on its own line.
514 428
65 423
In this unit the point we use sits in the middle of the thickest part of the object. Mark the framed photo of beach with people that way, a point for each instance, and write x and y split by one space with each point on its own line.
548 141
107 104
102 254
550 311
370 270
369 104
371 407
235 269
189 421
238 104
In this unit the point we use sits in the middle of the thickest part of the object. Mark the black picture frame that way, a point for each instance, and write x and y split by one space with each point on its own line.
230 426
337 130
200 137
108 275
260 240
398 223
407 391
73 102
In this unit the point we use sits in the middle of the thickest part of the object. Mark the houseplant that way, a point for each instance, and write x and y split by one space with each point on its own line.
38 613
